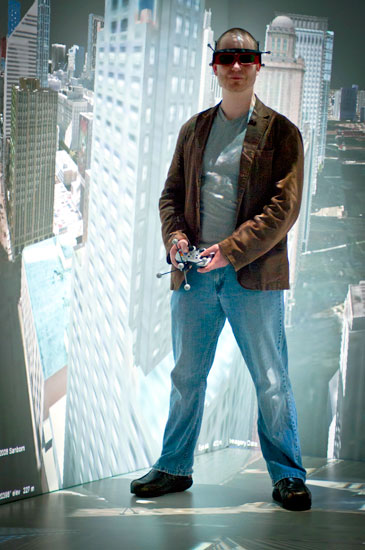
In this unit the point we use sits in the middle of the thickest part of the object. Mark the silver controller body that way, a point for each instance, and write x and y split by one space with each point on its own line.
192 257
186 260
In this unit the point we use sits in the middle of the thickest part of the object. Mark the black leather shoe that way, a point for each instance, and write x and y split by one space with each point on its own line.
292 494
156 483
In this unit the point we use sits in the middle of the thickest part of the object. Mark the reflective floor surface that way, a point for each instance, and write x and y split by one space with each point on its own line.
228 507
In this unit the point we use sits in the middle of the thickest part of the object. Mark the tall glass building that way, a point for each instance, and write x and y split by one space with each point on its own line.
315 45
96 23
146 85
32 154
58 57
27 55
44 14
280 81
21 59
13 15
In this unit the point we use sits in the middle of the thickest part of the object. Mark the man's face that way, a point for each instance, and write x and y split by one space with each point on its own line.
236 77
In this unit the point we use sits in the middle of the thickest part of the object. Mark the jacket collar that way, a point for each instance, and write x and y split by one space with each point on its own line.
258 123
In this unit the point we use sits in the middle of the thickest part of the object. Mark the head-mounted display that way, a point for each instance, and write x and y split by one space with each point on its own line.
228 56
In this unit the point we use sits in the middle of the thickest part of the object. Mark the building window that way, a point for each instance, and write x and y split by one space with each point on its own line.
172 113
148 115
178 25
176 58
187 27
114 4
113 27
124 25
146 144
185 57
149 85
125 3
192 59
174 83
135 84
122 54
142 203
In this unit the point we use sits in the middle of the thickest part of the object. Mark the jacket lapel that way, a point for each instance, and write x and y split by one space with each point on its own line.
202 130
255 130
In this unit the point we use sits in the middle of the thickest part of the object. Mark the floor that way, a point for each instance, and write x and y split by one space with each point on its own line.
228 507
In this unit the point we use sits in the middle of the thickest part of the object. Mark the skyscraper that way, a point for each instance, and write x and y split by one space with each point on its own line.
206 95
315 45
30 186
96 23
21 59
76 60
13 15
71 103
27 53
58 57
43 20
347 431
146 85
280 82
44 311
348 103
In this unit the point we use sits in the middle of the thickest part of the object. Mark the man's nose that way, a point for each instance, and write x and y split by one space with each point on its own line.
236 66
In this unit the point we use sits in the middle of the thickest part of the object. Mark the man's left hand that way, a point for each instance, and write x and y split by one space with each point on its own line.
217 261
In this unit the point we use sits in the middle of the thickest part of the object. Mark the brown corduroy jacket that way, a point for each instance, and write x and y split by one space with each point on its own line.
268 200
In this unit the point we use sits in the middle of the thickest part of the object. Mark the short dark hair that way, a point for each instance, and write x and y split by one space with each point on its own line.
241 32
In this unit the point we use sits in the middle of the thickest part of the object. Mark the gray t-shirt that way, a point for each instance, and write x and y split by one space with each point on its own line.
221 165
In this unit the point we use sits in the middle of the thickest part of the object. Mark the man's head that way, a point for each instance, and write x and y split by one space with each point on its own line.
240 34
240 74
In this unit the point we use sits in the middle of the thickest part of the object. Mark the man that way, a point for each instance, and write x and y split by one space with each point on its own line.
234 186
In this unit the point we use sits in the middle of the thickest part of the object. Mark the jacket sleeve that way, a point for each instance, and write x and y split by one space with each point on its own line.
258 235
172 199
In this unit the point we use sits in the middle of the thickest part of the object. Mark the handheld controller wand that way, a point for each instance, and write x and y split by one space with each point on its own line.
186 260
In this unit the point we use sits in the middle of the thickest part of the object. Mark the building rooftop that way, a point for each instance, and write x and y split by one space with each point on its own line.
67 217
65 161
283 22
47 266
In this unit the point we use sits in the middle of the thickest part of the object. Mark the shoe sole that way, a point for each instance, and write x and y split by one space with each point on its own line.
152 494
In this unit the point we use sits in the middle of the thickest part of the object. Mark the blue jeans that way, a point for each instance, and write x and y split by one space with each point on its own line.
257 321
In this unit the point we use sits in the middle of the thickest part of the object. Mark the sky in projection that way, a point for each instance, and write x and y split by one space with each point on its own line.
346 19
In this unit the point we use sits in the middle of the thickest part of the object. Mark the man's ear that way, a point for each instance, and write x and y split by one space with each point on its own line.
215 68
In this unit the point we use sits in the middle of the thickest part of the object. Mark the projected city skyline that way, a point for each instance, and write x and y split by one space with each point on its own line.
94 319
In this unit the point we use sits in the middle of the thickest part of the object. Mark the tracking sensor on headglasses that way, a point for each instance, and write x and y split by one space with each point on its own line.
229 56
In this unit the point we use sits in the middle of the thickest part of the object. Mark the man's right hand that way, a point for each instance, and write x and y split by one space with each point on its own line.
182 245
